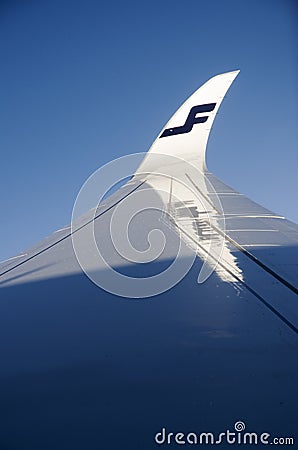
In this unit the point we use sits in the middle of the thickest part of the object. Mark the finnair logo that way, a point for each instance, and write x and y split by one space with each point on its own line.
191 120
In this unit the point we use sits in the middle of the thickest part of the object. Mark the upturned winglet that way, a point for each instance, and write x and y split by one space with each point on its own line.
186 133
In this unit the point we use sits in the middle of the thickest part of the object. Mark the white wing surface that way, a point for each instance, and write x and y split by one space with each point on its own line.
169 307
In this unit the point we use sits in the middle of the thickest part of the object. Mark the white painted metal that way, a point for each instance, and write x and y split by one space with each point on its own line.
82 368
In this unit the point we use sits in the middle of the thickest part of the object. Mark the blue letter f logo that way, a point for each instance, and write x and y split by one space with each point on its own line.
191 120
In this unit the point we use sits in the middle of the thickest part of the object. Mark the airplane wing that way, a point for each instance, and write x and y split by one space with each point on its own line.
165 315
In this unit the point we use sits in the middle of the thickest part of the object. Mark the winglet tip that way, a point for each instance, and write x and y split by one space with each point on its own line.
233 73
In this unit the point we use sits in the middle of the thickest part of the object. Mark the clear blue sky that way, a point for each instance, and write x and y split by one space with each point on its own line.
83 82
